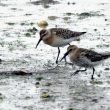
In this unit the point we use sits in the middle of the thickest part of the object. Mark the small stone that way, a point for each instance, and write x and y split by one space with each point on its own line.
21 73
95 29
48 84
94 100
106 19
52 17
42 24
98 75
11 24
68 3
69 13
73 3
96 82
37 83
107 69
45 95
27 34
66 18
0 61
35 29
39 78
70 109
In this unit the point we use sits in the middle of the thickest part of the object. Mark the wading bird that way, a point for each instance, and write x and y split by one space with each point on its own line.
85 58
58 37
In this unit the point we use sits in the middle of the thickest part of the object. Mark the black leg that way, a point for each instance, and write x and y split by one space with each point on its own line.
58 55
65 60
76 72
65 57
92 77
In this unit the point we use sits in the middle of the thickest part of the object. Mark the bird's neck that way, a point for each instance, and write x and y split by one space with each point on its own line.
48 39
74 54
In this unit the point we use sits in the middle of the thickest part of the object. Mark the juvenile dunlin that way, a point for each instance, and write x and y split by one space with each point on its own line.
58 37
85 58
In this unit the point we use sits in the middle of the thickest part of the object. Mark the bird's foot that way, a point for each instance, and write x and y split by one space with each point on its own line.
71 64
76 72
56 61
67 63
92 77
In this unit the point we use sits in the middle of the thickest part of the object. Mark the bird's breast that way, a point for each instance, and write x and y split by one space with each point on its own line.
73 55
48 40
54 41
59 41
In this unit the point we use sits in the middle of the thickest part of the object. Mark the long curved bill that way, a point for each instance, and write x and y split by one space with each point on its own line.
38 42
65 55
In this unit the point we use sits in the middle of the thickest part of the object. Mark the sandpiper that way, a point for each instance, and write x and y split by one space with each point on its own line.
84 58
58 37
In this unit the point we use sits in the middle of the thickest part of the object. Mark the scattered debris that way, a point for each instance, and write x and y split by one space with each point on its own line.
52 17
27 34
19 72
45 95
107 69
37 83
95 100
70 109
69 14
66 18
1 97
96 82
28 14
89 14
95 29
42 2
10 23
39 78
106 19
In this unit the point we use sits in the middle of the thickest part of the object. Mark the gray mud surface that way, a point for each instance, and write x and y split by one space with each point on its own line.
29 77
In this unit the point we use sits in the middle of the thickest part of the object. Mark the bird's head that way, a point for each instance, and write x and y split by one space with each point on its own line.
43 35
70 49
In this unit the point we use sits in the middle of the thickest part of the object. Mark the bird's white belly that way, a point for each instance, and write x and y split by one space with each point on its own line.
60 42
86 63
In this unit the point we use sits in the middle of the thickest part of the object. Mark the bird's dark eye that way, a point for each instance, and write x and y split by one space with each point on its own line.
70 49
42 32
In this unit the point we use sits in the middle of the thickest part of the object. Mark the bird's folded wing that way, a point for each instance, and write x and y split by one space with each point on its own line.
65 33
93 56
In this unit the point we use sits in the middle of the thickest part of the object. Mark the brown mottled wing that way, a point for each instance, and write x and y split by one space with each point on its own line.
65 33
91 55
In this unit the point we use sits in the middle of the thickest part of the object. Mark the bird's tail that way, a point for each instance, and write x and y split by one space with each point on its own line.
83 32
79 33
106 55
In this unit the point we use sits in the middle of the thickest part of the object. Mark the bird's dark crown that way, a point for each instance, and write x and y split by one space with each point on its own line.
72 47
43 32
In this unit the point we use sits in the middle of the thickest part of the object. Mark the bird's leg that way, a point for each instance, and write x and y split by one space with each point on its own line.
66 61
65 57
76 72
92 77
69 63
58 55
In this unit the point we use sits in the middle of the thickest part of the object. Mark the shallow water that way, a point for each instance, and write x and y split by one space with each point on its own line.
51 87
